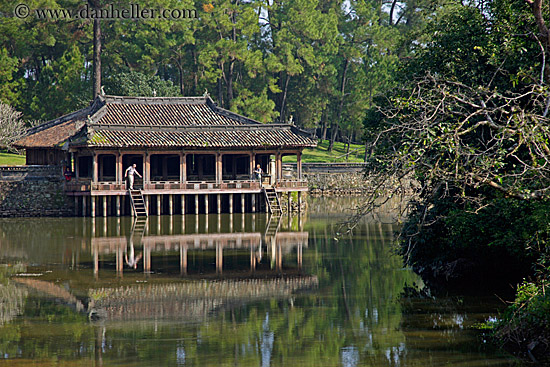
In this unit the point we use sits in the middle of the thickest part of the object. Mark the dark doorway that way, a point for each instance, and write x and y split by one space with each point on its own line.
165 167
236 167
106 167
201 167
85 166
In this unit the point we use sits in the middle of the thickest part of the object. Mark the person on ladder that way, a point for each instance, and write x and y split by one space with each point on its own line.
130 171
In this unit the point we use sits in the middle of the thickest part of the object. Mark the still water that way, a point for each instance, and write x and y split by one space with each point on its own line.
239 290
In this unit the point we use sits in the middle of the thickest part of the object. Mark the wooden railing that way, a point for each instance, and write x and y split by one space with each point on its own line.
86 185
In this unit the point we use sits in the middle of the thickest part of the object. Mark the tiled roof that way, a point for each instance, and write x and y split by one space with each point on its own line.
56 132
118 122
201 138
166 112
51 137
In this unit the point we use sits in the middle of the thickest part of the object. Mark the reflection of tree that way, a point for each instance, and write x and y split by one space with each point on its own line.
12 298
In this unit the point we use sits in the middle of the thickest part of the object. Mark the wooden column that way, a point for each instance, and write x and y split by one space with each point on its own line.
252 164
299 201
242 203
104 205
182 167
299 165
118 206
278 166
183 204
170 204
159 205
206 205
119 169
230 203
76 166
219 168
253 202
94 169
196 204
146 169
219 203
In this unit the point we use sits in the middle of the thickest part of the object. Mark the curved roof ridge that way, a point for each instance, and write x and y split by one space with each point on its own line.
228 113
154 100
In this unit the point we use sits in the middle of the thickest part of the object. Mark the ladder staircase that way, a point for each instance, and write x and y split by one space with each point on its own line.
272 201
138 203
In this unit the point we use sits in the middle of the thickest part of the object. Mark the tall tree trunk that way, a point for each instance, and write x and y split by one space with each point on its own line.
325 125
283 103
97 58
182 86
230 82
347 151
195 71
340 108
536 7
220 92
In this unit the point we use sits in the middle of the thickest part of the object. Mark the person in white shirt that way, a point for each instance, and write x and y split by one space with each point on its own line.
130 171
258 173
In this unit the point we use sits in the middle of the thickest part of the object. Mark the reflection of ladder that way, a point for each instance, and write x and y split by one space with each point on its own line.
138 229
138 203
272 201
273 224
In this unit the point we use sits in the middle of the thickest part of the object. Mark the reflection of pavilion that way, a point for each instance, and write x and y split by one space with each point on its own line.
192 299
276 246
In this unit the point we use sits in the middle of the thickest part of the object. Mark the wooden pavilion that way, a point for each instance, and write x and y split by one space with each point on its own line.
194 156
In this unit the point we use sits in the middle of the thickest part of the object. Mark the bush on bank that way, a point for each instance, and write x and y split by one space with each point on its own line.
459 246
524 328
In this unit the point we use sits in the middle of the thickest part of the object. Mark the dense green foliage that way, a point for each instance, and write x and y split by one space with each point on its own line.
316 62
469 125
525 327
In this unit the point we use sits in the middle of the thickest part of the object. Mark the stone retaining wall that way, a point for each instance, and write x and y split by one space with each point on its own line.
32 191
350 183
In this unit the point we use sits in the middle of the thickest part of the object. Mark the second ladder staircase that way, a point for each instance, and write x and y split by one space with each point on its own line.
272 201
138 203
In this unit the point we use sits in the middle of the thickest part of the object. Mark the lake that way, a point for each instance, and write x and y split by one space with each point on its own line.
227 290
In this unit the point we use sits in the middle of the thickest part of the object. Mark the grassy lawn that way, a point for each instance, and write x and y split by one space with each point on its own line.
321 154
9 159
318 154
